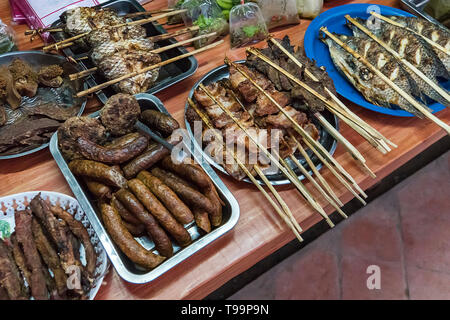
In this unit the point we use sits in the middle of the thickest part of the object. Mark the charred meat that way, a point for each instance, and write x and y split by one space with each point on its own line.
51 76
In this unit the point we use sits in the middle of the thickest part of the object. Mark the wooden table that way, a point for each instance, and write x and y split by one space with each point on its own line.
259 231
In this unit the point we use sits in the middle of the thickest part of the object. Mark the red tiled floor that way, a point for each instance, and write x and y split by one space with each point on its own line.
355 276
405 232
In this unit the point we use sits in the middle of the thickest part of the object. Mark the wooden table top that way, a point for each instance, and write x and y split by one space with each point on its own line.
259 231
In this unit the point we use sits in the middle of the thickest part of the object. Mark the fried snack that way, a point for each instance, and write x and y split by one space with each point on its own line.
158 235
129 246
178 208
159 121
120 114
32 259
50 257
57 234
190 172
182 188
19 258
112 155
126 215
123 140
148 158
202 220
98 190
99 172
134 229
152 204
81 233
10 278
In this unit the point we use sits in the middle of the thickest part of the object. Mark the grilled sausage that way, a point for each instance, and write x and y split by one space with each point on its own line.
178 208
122 237
190 172
158 235
148 158
160 121
115 155
123 212
123 140
98 171
136 230
182 188
98 190
202 220
152 204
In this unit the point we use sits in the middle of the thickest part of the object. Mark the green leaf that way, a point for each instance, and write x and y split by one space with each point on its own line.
250 31
5 229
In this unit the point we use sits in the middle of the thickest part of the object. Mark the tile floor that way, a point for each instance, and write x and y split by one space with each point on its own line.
405 232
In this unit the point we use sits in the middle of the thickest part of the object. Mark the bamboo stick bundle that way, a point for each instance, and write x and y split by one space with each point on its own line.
409 98
286 216
277 160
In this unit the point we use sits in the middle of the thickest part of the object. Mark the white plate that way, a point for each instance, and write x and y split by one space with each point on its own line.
19 201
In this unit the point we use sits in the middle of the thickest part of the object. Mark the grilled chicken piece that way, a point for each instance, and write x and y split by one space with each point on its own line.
280 121
124 62
244 86
264 106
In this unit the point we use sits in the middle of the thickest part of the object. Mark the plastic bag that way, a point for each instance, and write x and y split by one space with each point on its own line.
309 9
279 13
7 39
207 15
175 4
247 25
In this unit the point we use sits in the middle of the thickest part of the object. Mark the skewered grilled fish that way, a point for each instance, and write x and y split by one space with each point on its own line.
84 19
373 88
124 62
412 48
113 34
108 48
430 31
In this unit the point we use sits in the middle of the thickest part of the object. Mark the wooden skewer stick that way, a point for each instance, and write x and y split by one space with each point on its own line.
410 99
165 36
87 72
146 13
283 216
352 117
32 32
431 42
296 126
149 68
410 66
130 23
316 172
283 168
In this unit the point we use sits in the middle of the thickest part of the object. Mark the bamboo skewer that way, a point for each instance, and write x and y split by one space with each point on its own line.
296 126
284 216
87 72
145 13
130 23
410 99
413 68
166 36
283 168
300 166
149 68
338 103
431 42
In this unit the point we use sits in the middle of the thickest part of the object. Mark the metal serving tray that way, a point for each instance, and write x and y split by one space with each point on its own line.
325 138
416 7
168 75
124 266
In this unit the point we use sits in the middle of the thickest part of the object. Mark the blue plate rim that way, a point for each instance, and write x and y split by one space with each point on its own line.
311 35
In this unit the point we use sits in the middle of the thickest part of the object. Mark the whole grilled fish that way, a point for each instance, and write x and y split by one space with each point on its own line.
84 19
412 48
430 31
107 34
372 87
110 47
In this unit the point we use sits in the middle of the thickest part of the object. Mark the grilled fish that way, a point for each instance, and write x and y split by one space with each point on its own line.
109 34
84 19
412 48
372 87
430 31
124 62
108 48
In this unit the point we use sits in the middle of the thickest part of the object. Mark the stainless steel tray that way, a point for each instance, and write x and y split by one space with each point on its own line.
124 267
325 138
416 7
168 75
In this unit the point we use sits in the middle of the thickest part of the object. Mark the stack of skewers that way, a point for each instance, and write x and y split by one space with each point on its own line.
120 49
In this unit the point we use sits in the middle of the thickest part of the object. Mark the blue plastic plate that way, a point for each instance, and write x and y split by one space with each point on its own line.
334 20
